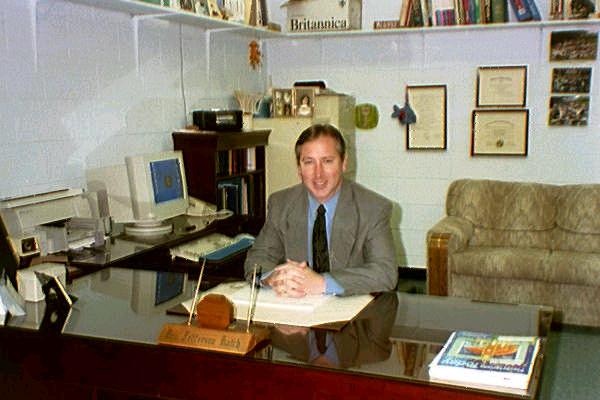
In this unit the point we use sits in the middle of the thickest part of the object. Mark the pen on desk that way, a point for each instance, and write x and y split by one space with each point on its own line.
192 309
253 296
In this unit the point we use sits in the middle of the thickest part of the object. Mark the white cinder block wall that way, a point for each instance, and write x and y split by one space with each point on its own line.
76 92
377 68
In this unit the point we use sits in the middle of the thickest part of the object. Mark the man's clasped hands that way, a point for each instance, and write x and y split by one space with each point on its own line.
295 279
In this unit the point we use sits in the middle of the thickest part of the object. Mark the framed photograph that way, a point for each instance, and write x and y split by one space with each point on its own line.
500 132
569 110
502 86
429 105
573 45
571 80
304 102
282 103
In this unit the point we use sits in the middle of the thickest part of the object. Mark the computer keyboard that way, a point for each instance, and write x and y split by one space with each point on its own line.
213 247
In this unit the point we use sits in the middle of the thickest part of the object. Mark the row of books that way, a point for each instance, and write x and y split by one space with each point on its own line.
418 13
486 359
230 162
238 194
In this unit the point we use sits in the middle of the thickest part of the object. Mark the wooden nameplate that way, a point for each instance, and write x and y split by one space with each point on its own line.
215 330
235 339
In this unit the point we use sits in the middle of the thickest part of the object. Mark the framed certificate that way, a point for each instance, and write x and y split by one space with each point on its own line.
501 86
429 105
500 132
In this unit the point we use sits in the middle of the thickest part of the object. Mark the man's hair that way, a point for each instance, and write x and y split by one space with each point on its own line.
316 131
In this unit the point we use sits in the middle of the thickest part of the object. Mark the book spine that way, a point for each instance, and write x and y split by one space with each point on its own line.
425 12
404 12
488 11
476 7
416 15
556 9
533 9
522 12
499 12
459 12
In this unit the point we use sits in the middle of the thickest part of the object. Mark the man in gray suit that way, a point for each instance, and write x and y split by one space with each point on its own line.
360 245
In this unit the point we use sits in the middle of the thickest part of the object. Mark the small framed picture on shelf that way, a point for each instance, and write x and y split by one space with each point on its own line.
502 86
282 103
304 102
429 105
501 132
571 80
569 110
573 45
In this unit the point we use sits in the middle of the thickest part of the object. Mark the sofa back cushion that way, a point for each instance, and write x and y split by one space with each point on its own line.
515 214
579 208
498 205
578 218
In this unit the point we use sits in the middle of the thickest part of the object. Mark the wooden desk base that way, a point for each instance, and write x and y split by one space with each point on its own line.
35 366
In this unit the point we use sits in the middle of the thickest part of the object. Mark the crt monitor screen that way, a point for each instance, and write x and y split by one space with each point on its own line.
167 184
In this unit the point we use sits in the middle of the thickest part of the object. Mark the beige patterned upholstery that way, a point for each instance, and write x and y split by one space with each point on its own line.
524 242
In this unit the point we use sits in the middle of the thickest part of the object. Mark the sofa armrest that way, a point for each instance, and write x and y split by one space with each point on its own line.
449 235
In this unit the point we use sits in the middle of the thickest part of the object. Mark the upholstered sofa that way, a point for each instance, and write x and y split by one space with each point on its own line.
520 242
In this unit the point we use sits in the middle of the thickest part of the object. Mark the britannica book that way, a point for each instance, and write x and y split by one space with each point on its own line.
486 359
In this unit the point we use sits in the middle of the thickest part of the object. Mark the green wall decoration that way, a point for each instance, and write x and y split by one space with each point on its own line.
366 116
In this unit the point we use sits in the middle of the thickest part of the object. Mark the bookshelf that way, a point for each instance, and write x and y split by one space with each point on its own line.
446 28
227 169
141 9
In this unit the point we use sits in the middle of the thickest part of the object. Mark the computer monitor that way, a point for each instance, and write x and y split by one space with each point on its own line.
144 192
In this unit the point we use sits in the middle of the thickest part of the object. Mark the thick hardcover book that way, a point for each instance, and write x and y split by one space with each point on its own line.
486 359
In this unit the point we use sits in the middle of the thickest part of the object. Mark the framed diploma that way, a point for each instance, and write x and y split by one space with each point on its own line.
501 86
500 132
429 105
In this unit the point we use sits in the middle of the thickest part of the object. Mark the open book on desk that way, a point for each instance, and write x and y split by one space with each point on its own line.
306 311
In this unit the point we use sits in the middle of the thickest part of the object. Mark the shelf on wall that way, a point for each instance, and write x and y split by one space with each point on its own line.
496 26
148 10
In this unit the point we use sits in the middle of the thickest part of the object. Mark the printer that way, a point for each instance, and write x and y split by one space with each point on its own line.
46 223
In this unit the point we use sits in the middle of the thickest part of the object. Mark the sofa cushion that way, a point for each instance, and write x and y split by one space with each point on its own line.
501 262
562 267
579 208
503 205
570 267
511 238
567 240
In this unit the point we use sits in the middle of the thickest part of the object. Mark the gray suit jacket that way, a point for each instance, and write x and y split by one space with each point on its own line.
361 253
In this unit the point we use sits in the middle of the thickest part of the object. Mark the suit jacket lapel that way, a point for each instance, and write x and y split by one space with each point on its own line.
343 234
297 227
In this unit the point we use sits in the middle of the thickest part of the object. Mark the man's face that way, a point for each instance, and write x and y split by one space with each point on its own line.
321 168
